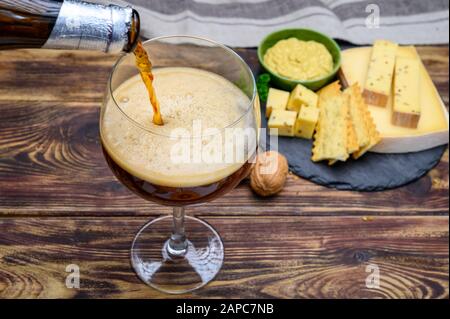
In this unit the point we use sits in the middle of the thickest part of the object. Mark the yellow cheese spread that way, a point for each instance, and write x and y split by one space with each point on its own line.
299 60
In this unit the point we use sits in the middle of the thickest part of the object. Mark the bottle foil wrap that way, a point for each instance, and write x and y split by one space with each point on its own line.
88 26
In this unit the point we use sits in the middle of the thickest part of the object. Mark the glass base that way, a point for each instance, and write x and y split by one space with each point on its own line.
177 274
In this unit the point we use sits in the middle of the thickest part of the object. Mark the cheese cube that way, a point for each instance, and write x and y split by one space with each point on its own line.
302 96
381 70
276 100
406 108
306 122
282 120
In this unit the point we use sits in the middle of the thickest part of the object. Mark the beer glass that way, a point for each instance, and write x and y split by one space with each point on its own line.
178 253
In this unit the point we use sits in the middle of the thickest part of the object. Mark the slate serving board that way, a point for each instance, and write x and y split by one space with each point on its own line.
372 172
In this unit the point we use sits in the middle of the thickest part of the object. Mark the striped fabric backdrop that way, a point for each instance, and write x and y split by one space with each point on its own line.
245 22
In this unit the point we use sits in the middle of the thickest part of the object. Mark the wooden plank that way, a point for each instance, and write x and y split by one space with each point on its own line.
292 257
436 61
47 75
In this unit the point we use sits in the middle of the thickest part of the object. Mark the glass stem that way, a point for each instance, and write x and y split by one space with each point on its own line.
178 244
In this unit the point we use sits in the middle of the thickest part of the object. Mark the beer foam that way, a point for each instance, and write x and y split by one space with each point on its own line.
188 98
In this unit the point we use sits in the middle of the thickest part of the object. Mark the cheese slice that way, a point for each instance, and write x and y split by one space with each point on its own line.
378 83
433 127
406 101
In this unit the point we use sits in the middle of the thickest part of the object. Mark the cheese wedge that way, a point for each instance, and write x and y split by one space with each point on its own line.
302 96
406 104
378 83
282 123
276 100
433 126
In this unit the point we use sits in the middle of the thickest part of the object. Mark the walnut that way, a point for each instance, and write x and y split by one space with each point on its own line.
269 173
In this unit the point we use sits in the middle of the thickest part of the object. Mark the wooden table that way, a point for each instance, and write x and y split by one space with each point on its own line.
61 205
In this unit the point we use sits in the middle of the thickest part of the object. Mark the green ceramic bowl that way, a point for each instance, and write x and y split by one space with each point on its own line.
306 35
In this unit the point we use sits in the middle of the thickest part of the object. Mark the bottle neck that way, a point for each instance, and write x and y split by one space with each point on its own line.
89 26
134 32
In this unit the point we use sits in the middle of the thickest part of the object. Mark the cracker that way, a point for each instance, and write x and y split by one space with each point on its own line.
374 135
318 141
352 140
330 140
345 125
358 116
331 90
332 162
